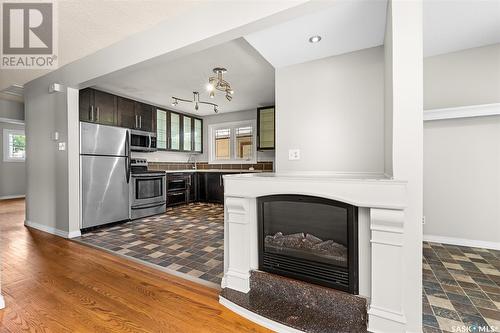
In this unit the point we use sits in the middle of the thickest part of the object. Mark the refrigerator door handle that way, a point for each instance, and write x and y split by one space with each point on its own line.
127 157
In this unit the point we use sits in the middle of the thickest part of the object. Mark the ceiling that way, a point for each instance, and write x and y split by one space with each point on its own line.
86 26
250 75
461 24
344 27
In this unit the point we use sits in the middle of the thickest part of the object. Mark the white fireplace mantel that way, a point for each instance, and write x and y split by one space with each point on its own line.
382 202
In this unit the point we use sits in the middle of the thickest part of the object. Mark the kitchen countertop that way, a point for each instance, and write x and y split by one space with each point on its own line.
213 171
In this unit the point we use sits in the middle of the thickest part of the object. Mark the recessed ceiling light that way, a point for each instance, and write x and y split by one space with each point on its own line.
314 39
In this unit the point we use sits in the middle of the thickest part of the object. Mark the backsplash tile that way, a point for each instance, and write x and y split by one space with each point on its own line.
261 166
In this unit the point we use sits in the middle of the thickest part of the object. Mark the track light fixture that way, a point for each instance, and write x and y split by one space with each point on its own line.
196 101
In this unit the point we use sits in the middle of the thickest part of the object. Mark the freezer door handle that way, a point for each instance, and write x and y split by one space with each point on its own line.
127 159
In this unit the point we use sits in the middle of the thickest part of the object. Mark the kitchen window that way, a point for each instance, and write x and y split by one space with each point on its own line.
233 143
14 145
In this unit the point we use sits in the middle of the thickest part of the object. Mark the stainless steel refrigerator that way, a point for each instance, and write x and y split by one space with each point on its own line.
105 174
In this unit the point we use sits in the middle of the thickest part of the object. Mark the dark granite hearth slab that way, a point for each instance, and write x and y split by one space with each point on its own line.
301 305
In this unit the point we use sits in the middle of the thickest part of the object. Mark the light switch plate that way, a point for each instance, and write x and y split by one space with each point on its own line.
293 154
62 145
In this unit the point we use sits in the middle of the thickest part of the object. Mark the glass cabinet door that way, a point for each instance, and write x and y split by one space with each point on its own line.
186 124
175 131
161 129
198 141
266 128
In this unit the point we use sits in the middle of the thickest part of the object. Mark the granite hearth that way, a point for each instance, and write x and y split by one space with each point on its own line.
300 305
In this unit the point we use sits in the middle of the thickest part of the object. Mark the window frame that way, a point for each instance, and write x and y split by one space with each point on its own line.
6 133
232 142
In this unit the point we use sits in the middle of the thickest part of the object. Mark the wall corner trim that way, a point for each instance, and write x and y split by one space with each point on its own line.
462 242
52 230
468 111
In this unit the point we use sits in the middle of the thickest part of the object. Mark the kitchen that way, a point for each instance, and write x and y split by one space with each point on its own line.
153 160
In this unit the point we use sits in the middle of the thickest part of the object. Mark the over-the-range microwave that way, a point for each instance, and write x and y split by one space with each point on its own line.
142 141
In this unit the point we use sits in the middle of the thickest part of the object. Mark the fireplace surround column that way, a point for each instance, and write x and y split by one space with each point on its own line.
386 304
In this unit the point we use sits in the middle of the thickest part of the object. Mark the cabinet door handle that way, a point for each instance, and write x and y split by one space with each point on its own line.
97 112
91 116
136 122
140 121
220 180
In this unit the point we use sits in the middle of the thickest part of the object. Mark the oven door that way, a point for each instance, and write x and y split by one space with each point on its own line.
147 189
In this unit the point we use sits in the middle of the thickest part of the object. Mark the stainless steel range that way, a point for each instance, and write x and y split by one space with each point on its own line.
147 190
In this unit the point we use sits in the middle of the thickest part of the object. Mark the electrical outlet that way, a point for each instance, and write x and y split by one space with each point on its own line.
423 219
62 145
293 154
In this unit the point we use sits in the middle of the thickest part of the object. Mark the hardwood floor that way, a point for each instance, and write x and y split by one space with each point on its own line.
51 284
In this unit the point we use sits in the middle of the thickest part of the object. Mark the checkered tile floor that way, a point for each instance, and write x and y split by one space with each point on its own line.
187 239
461 289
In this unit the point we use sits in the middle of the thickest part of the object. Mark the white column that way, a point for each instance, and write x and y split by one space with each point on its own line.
238 243
407 142
386 313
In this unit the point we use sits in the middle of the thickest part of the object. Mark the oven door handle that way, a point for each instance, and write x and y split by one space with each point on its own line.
150 176
156 204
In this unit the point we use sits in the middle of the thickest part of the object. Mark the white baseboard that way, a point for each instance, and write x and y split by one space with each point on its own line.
7 197
52 230
258 319
462 242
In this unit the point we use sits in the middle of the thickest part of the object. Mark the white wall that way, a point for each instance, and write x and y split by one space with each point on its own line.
332 109
462 156
262 156
11 109
462 178
12 174
461 78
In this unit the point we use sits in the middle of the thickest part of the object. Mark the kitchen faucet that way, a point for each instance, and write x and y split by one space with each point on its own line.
193 157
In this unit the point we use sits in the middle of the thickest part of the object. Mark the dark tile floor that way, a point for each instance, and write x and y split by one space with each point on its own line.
461 285
186 239
461 289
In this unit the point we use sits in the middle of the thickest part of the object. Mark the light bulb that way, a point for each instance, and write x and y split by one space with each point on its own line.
212 94
231 91
210 87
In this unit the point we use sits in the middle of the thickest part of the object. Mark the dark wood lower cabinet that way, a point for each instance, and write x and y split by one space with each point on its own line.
203 187
215 187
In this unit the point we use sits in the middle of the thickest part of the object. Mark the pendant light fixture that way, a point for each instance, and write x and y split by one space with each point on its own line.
217 82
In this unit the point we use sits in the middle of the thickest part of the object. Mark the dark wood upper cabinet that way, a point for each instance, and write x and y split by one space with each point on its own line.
105 108
126 112
98 107
86 105
144 117
266 128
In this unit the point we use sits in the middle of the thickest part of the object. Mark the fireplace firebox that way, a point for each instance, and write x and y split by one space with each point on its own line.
309 238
